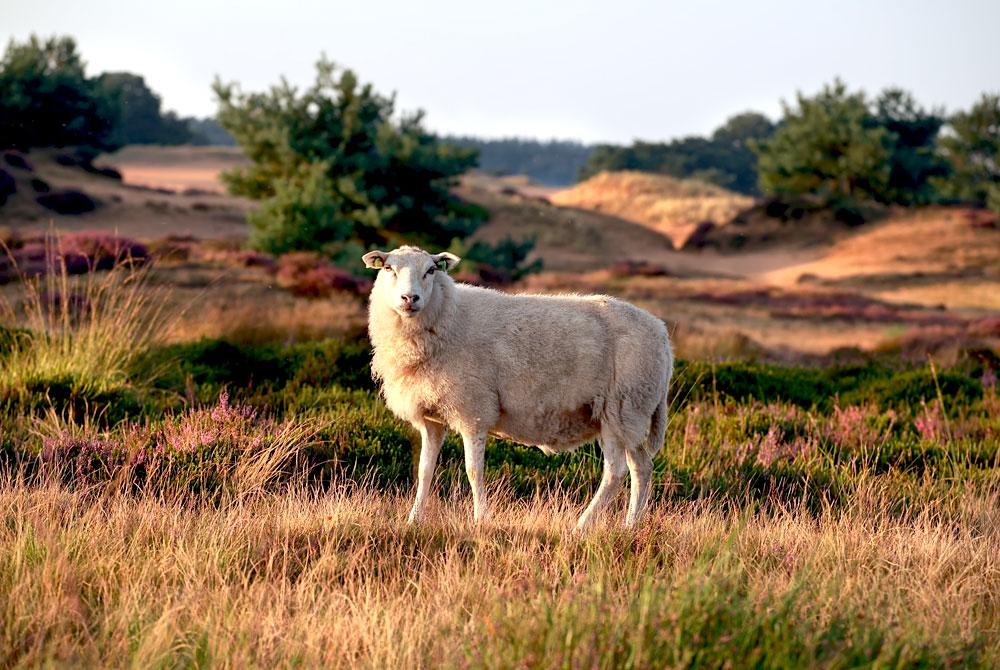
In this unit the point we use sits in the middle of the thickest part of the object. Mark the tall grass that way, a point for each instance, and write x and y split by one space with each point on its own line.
339 580
83 332
802 517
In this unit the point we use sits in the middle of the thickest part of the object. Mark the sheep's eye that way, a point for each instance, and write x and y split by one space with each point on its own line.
430 271
389 268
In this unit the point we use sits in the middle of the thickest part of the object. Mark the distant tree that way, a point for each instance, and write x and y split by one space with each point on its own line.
335 168
741 129
555 163
911 141
725 158
138 117
827 146
208 132
972 146
46 99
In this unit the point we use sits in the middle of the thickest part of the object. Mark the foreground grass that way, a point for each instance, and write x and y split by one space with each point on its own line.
217 503
338 580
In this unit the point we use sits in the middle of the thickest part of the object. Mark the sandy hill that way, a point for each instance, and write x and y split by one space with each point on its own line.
143 192
670 206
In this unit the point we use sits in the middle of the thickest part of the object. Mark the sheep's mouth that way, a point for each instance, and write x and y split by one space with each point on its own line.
409 310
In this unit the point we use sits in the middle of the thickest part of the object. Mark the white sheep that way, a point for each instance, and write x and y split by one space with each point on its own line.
549 371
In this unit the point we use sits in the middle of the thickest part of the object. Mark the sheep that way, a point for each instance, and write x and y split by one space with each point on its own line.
549 371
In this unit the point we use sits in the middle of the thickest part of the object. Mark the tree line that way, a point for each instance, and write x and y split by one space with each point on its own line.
839 147
47 99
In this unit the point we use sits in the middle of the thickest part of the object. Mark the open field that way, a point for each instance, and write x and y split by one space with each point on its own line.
338 580
197 471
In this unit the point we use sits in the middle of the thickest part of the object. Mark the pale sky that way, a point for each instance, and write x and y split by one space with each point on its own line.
593 71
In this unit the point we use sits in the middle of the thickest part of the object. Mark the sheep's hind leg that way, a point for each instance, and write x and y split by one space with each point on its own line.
640 467
614 474
475 456
431 438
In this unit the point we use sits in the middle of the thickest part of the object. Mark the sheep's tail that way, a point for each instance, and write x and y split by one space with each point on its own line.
657 427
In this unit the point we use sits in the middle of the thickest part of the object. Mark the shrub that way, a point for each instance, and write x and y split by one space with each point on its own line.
16 159
333 166
497 264
68 202
8 186
306 273
222 450
70 254
973 148
47 100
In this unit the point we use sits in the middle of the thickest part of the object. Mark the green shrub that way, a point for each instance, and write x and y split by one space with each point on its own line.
333 166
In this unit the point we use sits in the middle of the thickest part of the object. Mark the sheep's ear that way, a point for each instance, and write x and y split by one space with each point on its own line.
445 261
374 259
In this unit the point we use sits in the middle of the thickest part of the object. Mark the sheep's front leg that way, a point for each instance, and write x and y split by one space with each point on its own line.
431 438
475 456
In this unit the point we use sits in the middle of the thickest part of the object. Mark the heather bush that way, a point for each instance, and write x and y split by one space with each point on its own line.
71 254
308 274
223 449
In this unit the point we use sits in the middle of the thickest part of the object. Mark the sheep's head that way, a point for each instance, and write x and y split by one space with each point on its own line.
407 276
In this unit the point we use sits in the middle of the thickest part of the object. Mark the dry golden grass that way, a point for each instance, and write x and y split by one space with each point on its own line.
915 243
279 317
339 580
670 206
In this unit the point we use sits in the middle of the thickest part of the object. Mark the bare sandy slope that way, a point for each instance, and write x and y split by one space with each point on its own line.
929 274
669 206
176 168
147 208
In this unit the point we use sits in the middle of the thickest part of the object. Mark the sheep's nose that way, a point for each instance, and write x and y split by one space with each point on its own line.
410 298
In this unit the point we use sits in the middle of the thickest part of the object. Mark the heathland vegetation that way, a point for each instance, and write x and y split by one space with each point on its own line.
214 502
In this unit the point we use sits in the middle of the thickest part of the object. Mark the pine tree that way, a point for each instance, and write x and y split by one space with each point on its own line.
973 148
336 170
826 146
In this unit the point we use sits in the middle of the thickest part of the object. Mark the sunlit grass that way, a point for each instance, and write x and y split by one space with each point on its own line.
339 580
83 332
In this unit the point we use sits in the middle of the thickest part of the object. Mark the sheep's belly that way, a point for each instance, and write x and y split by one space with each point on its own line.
551 432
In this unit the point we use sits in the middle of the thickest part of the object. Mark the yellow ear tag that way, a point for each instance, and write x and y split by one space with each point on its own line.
377 263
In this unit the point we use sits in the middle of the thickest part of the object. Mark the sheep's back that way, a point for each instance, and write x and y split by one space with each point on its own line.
561 353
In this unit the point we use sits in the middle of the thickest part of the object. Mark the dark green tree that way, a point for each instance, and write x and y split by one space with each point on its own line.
725 158
827 146
740 129
555 162
335 168
208 132
972 146
911 142
46 99
138 117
